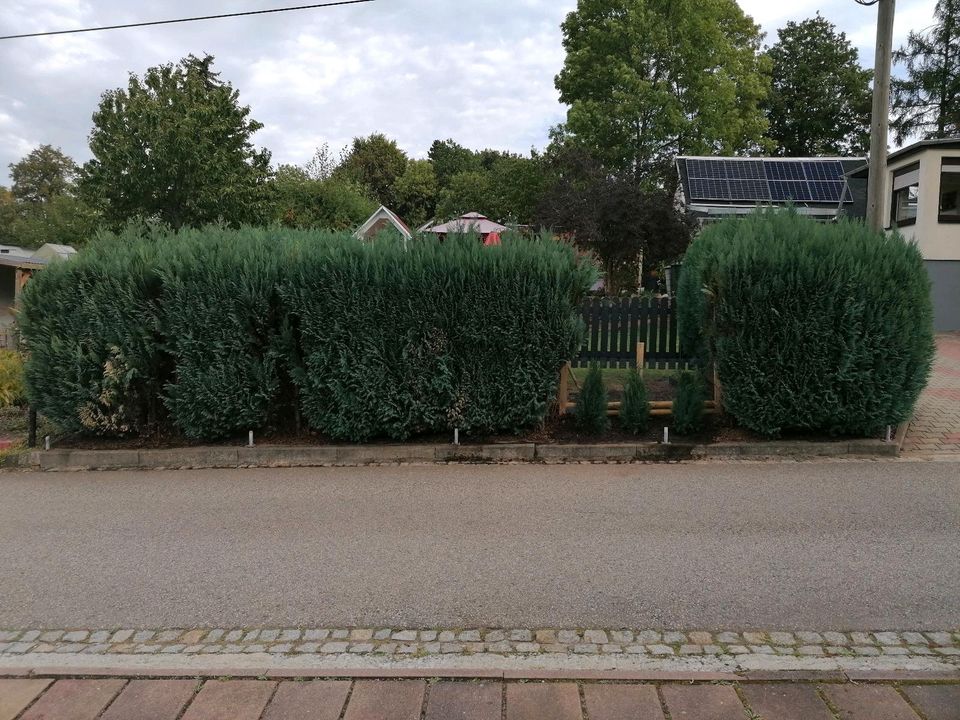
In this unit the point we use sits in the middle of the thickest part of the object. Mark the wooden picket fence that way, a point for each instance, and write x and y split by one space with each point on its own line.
615 327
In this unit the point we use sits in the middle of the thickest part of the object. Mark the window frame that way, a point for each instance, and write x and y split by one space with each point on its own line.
952 162
897 174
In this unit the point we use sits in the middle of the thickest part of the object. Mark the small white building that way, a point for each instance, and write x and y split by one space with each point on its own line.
383 219
922 201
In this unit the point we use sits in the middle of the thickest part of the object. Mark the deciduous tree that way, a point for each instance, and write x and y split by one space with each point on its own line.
649 79
43 174
375 162
821 100
176 145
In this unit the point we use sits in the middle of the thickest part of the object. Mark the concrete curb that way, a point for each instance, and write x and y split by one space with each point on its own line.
686 676
358 455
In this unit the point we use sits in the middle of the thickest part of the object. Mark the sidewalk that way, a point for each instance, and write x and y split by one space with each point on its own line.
935 429
820 698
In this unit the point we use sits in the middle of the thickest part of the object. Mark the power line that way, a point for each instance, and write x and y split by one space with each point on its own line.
186 20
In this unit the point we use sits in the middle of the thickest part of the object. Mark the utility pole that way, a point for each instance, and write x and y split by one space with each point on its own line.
880 119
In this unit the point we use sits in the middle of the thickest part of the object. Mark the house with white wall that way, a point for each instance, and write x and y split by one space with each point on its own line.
922 202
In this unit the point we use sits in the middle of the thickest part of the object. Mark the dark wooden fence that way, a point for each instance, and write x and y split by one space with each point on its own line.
616 325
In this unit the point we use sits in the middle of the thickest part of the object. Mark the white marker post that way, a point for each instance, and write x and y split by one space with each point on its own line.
456 436
250 439
666 435
46 442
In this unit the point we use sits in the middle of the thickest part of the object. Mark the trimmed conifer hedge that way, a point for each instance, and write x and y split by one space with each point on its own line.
819 327
211 332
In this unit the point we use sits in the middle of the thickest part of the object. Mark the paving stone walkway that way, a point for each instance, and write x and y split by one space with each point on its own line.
935 429
469 699
943 645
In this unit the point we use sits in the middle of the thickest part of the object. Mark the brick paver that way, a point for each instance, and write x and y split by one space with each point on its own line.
703 702
230 700
936 702
152 700
74 700
868 702
386 700
622 702
785 701
465 701
802 697
936 423
16 695
317 700
538 701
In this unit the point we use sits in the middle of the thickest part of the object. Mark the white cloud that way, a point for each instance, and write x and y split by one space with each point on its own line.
480 72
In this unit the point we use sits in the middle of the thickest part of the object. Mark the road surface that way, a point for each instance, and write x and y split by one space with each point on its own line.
791 546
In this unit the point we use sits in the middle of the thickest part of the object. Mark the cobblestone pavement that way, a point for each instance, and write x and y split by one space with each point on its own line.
936 424
477 699
943 645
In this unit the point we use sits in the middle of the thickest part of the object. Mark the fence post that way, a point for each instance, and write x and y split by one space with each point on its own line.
641 357
563 395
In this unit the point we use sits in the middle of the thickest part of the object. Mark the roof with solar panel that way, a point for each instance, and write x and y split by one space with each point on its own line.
718 186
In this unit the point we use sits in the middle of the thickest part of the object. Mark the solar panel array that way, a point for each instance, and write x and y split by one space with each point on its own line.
766 180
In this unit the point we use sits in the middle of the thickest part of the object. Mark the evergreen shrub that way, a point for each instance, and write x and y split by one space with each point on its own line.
688 403
814 327
635 408
210 332
590 414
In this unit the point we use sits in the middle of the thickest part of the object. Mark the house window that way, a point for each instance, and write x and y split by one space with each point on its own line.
950 190
906 195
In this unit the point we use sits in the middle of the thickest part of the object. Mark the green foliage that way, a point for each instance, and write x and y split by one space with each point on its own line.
233 329
926 102
610 215
449 158
175 146
590 414
90 329
12 389
821 99
64 219
635 408
649 79
688 403
375 163
43 174
416 193
823 327
221 321
299 201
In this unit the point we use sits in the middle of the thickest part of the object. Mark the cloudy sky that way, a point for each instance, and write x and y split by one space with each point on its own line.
479 71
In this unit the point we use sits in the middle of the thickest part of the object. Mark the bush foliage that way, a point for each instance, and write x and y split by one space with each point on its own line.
823 327
590 414
688 403
635 408
12 390
214 331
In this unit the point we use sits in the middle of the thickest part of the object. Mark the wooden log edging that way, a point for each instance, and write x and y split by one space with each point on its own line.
361 455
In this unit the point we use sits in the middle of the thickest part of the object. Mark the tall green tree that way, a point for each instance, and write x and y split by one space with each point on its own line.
649 79
176 145
42 175
375 162
42 206
416 193
820 101
926 102
450 158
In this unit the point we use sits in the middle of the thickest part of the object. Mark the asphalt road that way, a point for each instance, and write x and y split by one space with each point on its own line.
842 546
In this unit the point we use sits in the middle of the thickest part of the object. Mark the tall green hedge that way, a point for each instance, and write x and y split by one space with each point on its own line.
822 327
214 331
